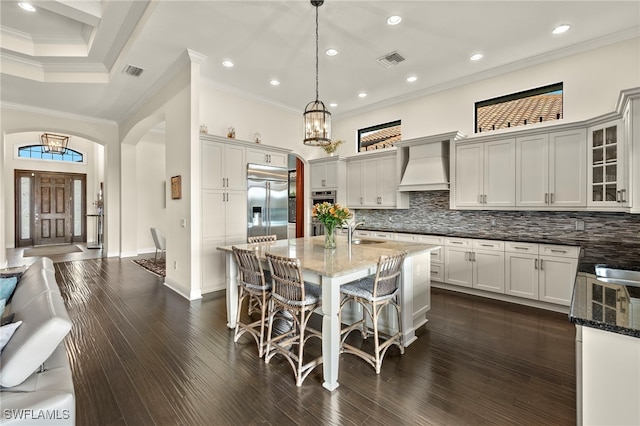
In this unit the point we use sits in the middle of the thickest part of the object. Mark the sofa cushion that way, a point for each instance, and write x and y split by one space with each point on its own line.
45 324
36 280
7 286
6 331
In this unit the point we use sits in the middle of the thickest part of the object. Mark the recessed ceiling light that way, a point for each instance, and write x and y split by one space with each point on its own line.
26 6
331 52
227 64
561 29
412 78
476 56
333 104
362 95
394 20
274 82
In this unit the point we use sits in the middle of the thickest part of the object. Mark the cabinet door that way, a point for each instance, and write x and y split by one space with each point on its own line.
387 181
532 171
488 270
212 165
214 213
606 160
521 275
236 222
567 169
235 168
331 175
458 268
354 184
500 173
213 265
469 173
257 156
557 276
370 183
318 176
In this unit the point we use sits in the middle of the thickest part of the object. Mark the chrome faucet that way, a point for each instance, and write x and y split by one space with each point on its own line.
351 229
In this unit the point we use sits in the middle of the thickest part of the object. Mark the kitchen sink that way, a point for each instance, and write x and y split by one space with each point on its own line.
619 276
367 241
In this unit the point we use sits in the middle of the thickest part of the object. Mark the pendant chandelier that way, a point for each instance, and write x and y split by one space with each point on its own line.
317 120
55 144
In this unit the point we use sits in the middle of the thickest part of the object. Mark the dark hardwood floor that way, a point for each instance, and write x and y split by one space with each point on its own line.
142 355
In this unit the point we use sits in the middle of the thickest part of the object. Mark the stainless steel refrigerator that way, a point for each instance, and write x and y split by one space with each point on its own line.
267 190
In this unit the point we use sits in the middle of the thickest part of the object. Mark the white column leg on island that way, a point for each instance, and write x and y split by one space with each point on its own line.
232 289
330 332
406 301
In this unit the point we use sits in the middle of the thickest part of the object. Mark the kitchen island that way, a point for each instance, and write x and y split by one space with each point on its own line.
606 312
331 269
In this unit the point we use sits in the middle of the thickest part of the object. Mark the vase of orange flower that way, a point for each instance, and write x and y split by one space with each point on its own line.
331 216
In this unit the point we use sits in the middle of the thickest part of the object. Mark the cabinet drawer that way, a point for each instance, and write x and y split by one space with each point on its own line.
458 242
559 251
406 237
488 245
529 248
436 255
383 235
437 272
431 239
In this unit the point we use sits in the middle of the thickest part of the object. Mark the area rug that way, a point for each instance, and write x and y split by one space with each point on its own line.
151 266
51 250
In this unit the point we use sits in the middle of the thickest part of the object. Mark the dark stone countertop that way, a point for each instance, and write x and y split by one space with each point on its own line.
604 305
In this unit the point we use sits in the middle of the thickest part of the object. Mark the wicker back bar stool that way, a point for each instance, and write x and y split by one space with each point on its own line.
262 239
290 294
252 285
374 293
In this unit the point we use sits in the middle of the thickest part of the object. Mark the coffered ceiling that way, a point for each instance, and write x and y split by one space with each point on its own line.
69 56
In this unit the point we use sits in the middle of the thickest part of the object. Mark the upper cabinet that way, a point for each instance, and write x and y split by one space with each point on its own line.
485 174
268 156
551 170
607 166
372 181
328 173
223 166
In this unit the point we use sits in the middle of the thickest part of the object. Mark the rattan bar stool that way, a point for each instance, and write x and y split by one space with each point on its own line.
374 293
291 294
253 286
262 239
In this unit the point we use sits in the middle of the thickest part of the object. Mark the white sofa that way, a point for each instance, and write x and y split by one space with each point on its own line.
36 385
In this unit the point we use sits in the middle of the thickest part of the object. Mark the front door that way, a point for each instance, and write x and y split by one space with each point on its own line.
52 209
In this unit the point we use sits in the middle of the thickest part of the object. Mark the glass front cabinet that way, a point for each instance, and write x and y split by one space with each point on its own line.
607 173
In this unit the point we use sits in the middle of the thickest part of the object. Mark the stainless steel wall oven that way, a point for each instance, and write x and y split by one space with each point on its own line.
317 197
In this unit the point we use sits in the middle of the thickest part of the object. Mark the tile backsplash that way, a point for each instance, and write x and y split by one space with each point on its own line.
607 237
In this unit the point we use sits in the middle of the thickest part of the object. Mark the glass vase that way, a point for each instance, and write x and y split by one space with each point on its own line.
329 236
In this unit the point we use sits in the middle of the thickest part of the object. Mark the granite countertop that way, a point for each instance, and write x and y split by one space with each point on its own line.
475 235
337 262
605 305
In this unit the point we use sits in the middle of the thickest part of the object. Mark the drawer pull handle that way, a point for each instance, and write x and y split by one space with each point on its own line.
487 245
558 251
434 253
520 248
535 265
434 272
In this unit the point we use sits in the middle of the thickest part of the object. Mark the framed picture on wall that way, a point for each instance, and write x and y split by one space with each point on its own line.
176 187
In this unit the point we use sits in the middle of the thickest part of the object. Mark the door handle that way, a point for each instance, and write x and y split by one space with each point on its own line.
480 198
541 264
546 198
484 199
623 193
535 265
551 198
360 200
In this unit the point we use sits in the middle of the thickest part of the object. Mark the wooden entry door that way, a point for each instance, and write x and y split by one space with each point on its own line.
52 210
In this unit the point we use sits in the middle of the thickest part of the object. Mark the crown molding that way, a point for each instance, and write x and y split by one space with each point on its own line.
620 36
54 113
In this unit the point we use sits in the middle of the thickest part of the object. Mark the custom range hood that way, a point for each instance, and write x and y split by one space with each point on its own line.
424 162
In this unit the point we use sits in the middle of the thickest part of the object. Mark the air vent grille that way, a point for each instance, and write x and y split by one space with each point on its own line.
133 71
390 59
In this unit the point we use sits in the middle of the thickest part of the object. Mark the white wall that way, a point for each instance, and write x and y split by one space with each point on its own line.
151 189
592 82
92 168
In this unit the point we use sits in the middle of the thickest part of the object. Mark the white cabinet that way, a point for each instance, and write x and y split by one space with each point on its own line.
485 174
607 171
328 173
437 256
521 270
268 156
551 169
372 182
541 272
223 166
475 263
558 266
